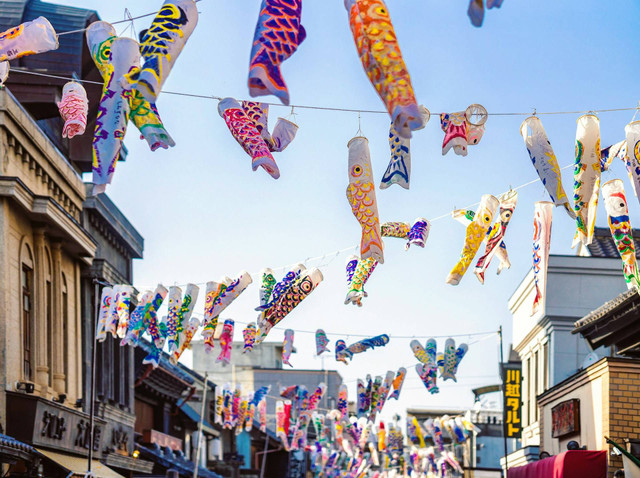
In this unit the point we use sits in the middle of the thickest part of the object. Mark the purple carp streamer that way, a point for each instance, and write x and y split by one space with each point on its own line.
278 35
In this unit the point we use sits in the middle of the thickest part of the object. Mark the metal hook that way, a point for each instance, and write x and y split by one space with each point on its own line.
535 112
359 132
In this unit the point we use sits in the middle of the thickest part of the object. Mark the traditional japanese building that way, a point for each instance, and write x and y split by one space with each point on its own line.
56 241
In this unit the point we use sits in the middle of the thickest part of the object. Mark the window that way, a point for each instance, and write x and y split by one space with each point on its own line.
49 316
535 385
27 345
65 331
545 366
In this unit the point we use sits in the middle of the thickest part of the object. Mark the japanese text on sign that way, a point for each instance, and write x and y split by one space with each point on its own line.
512 378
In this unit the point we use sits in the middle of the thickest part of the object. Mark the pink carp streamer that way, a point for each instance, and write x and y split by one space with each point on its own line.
74 107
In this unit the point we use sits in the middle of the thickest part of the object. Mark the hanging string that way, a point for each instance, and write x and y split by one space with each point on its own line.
322 108
129 19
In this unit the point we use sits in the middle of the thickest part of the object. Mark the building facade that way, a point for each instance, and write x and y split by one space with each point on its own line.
544 342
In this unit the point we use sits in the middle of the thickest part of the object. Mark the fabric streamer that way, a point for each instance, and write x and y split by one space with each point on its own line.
361 194
344 354
278 35
180 316
262 410
287 347
384 390
465 217
397 383
449 360
476 10
615 203
281 418
246 133
381 58
219 296
342 401
174 303
545 162
415 234
186 336
114 57
361 407
112 315
542 218
399 169
103 313
428 366
283 133
587 172
160 46
136 319
122 309
419 434
29 38
226 342
495 236
476 232
266 287
249 335
73 107
282 286
460 131
4 72
321 342
296 293
150 315
359 278
632 156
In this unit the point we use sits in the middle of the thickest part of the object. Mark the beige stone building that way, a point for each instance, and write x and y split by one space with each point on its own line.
43 248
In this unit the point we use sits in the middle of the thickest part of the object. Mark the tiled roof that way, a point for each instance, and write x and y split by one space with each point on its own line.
604 309
10 442
68 57
176 460
603 245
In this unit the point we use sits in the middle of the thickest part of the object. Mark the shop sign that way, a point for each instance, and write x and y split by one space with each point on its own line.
565 418
512 383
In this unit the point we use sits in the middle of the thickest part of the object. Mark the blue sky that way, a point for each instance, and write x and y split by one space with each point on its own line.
204 213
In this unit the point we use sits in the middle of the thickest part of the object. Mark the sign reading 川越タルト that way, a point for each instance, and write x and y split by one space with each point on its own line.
512 378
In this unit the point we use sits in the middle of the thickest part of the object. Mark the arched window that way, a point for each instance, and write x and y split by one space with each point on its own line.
26 307
48 312
65 330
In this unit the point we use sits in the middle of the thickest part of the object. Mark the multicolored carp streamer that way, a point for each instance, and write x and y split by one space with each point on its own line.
399 169
464 217
143 114
262 411
459 132
476 10
450 359
363 270
361 194
321 342
632 156
345 354
434 429
103 313
219 296
542 218
136 319
111 323
180 311
123 305
587 172
361 403
161 45
249 336
415 234
545 162
384 390
154 327
287 347
283 133
281 419
476 231
615 203
189 330
495 236
266 287
428 367
381 58
29 38
397 383
298 291
226 342
114 57
342 401
278 35
246 133
73 107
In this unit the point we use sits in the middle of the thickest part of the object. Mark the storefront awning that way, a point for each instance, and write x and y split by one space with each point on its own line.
570 464
78 465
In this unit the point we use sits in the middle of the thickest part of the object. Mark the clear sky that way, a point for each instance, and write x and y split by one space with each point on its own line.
204 213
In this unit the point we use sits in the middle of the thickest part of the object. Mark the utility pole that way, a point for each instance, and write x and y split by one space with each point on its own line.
504 408
200 434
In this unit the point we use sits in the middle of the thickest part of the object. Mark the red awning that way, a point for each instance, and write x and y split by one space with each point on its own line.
570 464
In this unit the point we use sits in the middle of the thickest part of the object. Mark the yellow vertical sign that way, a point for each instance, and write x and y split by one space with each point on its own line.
512 378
